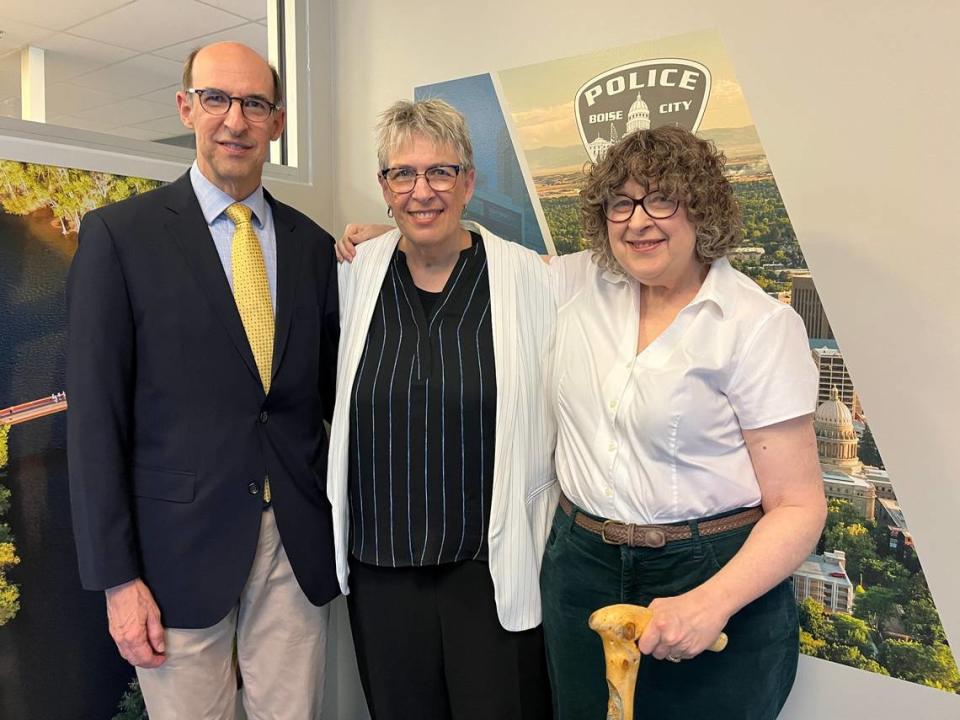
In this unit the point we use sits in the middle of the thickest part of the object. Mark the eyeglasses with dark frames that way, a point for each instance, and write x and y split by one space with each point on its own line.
402 180
656 204
218 102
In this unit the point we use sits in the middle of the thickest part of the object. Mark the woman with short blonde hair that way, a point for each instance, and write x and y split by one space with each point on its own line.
440 454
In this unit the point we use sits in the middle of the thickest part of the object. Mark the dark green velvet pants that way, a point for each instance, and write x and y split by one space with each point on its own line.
749 680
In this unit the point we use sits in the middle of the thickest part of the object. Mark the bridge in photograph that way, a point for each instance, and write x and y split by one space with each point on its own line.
34 409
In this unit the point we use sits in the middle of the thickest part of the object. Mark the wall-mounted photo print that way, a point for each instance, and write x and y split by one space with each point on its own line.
56 657
862 595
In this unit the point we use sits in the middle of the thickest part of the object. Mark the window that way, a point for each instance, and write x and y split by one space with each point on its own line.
113 67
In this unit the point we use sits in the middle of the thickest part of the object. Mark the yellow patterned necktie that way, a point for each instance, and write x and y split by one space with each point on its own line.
251 292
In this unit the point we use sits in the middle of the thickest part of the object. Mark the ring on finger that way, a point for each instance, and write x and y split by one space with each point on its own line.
673 659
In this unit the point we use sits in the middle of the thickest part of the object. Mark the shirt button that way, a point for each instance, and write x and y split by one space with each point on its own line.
613 404
608 492
253 489
611 447
264 416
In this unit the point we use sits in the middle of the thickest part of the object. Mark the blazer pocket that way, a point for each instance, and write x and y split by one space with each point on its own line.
171 485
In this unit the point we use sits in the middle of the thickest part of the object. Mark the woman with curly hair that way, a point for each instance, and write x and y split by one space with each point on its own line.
685 452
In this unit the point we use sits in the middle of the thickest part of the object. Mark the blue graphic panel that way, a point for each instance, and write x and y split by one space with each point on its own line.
501 202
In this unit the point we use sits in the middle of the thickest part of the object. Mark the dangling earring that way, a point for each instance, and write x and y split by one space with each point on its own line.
389 211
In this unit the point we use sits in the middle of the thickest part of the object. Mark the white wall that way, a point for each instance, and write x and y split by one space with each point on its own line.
855 103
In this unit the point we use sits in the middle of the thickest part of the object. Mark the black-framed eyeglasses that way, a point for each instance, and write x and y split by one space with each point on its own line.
402 180
657 204
218 102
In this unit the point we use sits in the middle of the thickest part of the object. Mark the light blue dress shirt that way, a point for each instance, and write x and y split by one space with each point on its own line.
213 201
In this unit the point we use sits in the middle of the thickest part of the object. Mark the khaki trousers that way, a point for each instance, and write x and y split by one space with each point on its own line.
281 650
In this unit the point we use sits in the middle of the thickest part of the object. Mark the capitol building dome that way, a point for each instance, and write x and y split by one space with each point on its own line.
833 413
837 442
638 118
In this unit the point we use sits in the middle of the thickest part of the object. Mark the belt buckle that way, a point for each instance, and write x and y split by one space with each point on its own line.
652 537
603 532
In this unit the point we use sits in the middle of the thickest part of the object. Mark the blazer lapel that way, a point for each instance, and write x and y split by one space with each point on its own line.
357 309
187 226
289 252
503 321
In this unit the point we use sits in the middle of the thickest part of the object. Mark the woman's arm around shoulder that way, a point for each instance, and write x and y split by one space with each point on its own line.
354 234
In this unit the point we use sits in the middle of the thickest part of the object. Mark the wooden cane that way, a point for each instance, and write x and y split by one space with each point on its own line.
620 627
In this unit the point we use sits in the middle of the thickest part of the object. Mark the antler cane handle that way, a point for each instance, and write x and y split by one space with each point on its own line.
620 627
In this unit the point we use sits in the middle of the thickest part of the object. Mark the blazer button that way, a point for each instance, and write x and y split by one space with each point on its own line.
253 489
264 416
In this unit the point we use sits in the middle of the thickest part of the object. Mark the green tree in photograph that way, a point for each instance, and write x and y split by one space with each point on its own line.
868 452
931 665
856 541
841 512
852 657
813 619
852 632
766 223
878 606
563 218
4 447
9 593
887 572
19 193
131 705
811 646
67 193
921 621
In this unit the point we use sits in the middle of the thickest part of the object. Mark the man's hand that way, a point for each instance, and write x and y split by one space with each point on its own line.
135 627
356 233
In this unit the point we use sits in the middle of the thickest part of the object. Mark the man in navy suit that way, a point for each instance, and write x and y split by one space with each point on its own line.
196 444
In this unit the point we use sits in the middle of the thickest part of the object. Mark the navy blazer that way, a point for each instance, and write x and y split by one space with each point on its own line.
169 433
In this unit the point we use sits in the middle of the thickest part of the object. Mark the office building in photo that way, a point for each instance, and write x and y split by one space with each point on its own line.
832 371
824 579
806 301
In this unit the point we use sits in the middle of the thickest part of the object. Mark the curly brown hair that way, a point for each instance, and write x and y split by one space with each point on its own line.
681 165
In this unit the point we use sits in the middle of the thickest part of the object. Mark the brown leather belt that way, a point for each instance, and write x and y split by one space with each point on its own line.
614 532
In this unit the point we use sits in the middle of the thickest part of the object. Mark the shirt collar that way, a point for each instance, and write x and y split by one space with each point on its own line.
614 277
719 286
213 201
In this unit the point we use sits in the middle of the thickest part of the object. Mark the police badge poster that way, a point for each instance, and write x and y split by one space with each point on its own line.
862 595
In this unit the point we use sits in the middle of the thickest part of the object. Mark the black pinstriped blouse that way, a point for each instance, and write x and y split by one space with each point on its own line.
422 414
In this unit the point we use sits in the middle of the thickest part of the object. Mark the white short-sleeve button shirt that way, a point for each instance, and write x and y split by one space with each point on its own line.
656 437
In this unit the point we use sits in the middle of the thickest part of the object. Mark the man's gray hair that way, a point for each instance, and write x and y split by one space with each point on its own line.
434 119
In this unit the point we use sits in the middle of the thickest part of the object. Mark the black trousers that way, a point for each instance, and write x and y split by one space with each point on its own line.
430 647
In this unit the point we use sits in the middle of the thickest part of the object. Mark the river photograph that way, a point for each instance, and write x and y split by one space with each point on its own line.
56 657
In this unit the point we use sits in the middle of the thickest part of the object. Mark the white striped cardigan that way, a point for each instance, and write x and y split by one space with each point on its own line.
525 491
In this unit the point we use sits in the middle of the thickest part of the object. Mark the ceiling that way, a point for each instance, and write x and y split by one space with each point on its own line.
114 66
